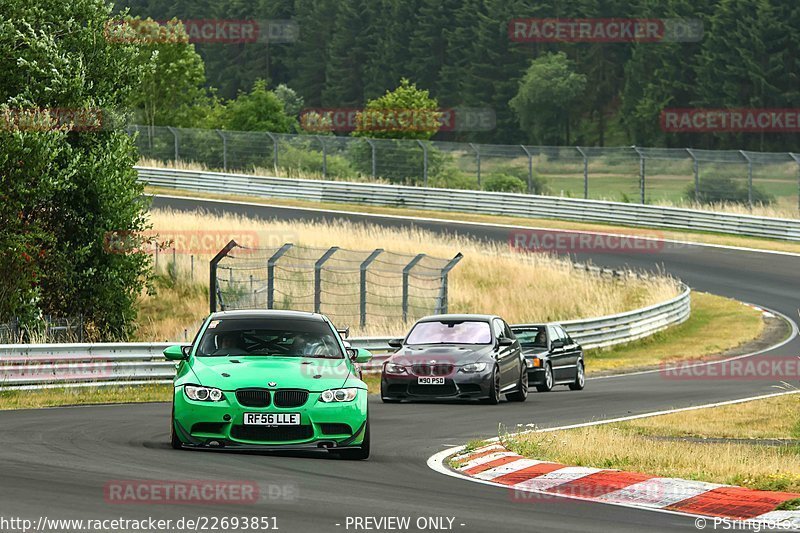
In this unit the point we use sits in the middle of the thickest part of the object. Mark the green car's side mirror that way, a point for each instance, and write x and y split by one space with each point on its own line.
359 355
176 352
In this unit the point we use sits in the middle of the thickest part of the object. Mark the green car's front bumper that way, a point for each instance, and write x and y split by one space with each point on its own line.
323 425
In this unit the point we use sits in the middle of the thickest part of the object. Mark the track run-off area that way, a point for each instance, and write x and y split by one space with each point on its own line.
67 457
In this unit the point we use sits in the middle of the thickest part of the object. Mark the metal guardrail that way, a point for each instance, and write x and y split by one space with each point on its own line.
41 366
471 201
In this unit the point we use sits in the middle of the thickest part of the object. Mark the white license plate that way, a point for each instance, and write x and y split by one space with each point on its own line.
272 419
430 380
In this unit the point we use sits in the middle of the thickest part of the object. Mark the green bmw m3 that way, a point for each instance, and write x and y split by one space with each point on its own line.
274 380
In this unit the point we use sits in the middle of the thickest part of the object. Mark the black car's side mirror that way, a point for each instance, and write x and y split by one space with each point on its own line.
557 344
505 341
396 343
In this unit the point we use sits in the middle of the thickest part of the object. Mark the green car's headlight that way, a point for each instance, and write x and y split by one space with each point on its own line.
202 394
473 367
338 395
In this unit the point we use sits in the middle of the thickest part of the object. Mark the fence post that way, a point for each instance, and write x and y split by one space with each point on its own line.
324 156
406 271
642 171
441 305
585 172
477 162
797 160
696 170
424 163
213 289
174 133
363 290
749 178
224 150
271 273
530 168
318 277
374 158
274 151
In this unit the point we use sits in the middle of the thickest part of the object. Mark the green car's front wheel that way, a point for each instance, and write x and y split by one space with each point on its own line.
173 435
360 453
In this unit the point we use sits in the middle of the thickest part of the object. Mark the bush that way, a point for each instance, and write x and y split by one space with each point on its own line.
398 161
719 189
300 159
504 183
451 178
538 184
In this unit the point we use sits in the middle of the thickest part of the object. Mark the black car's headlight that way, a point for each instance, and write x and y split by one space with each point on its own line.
338 395
473 367
203 394
395 369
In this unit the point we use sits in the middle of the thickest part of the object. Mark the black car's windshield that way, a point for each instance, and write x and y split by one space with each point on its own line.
532 337
450 332
269 337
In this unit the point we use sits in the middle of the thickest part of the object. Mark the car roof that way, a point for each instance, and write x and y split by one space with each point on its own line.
474 317
536 325
267 313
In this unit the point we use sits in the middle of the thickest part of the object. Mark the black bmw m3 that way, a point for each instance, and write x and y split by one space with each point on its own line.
449 357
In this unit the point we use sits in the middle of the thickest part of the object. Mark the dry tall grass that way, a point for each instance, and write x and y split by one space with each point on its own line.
490 278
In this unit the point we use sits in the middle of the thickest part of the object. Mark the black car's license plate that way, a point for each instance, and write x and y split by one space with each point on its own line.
427 380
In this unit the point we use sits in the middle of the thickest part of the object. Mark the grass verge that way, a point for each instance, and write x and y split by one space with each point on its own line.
649 445
34 399
715 326
680 236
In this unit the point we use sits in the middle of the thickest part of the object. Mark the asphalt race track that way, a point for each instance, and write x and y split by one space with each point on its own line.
56 462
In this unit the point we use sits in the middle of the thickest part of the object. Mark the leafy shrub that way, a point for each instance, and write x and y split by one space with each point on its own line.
538 184
301 160
452 178
718 189
504 183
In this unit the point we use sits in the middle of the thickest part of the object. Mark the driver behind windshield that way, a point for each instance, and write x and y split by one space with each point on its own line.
288 338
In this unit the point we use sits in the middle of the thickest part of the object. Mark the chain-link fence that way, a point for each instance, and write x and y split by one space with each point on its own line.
350 286
48 329
628 174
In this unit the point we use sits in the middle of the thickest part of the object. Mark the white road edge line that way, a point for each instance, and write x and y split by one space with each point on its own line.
487 224
436 461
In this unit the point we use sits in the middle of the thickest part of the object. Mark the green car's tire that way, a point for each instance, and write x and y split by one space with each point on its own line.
176 442
360 453
494 394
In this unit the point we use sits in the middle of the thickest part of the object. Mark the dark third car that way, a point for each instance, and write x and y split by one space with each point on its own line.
553 358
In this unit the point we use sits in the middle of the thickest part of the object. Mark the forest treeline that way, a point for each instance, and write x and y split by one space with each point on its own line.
348 52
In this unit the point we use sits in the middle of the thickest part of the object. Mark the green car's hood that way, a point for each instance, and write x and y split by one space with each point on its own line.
314 375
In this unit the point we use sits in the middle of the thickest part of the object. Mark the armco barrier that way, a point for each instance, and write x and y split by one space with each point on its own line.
492 203
38 366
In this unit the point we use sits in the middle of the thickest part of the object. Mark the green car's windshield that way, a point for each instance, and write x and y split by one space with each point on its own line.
269 337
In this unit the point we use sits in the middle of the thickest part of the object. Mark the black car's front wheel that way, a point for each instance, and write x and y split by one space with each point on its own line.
494 389
580 378
521 394
547 383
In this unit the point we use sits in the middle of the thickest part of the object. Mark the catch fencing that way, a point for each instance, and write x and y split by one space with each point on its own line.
41 366
346 285
629 174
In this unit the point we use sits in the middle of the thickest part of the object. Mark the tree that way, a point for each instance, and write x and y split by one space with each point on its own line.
547 93
172 89
404 113
292 102
258 110
64 189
